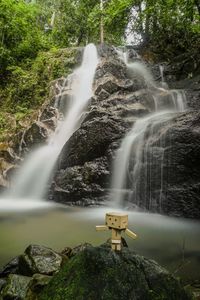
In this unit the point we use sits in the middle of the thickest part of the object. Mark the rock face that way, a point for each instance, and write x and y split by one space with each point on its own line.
181 161
84 169
100 273
169 181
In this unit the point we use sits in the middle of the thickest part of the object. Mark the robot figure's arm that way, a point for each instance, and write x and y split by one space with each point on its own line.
102 228
131 234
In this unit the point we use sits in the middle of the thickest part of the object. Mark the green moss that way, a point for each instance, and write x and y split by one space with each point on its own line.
26 86
99 273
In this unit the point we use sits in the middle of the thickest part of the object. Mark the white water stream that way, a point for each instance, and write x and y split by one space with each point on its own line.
135 145
30 182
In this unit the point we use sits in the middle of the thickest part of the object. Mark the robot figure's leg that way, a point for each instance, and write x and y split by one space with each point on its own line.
113 247
118 247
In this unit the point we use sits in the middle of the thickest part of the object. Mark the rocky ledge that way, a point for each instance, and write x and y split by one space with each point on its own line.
84 169
87 272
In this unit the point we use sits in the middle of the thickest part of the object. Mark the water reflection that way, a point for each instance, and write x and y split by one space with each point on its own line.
174 243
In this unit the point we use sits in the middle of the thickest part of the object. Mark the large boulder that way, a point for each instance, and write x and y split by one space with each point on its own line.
39 259
99 273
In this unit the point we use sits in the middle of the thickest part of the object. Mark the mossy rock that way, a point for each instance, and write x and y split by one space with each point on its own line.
99 273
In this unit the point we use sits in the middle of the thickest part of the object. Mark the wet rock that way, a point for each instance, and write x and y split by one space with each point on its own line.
39 259
80 248
66 251
16 287
90 141
100 273
87 182
107 51
64 101
11 268
36 286
8 160
183 66
169 174
84 164
133 110
6 171
192 90
111 67
2 284
35 135
7 153
111 85
3 183
49 117
121 97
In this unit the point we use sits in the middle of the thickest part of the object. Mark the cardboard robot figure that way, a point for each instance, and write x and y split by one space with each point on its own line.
117 223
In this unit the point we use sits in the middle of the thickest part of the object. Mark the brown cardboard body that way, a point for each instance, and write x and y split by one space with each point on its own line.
118 223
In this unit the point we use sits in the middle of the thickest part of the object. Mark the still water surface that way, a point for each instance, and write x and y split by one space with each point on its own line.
174 243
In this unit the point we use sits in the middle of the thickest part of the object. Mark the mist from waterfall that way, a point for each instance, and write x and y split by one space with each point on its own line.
132 177
31 180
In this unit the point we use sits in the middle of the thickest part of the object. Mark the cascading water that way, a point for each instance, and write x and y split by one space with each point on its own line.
134 171
33 176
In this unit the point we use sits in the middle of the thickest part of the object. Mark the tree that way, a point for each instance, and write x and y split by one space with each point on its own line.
20 32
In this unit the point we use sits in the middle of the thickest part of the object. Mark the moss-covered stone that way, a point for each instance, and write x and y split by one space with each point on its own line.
16 287
100 273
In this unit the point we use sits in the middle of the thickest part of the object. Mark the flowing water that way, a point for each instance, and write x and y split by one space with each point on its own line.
31 180
132 177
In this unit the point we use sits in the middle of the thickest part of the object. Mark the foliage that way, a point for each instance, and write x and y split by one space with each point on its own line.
72 26
171 26
27 86
78 22
20 32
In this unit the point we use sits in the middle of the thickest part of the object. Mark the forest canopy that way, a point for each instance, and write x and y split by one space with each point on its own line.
172 26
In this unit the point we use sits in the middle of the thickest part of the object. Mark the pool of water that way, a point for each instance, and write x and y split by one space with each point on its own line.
174 243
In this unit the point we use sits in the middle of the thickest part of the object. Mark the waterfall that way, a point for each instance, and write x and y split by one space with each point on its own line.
133 173
31 180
